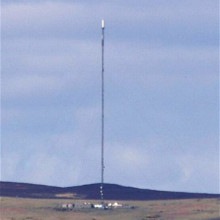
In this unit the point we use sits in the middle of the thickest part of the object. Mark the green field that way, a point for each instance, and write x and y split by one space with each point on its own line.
40 209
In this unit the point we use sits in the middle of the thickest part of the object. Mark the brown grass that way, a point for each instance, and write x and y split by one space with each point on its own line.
66 195
44 209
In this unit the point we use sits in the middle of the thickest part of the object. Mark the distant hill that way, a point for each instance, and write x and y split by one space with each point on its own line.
91 191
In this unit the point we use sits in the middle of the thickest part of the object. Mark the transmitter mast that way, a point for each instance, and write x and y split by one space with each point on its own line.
102 125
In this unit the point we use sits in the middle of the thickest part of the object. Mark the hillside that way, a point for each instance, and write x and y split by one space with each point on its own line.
91 191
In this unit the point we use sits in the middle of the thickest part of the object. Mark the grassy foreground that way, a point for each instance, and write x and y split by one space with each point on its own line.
43 209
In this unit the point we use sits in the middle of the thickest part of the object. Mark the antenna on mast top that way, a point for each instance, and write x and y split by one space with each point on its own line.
102 134
103 23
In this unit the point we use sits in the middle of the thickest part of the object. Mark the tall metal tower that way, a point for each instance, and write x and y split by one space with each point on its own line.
102 138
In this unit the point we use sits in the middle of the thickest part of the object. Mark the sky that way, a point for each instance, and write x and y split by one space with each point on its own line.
161 93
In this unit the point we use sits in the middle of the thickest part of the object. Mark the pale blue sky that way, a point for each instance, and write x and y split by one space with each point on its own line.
161 93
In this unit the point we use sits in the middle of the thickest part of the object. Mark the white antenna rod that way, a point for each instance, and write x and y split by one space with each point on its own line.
103 24
102 141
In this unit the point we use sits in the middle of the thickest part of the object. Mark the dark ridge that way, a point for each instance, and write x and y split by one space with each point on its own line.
91 191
